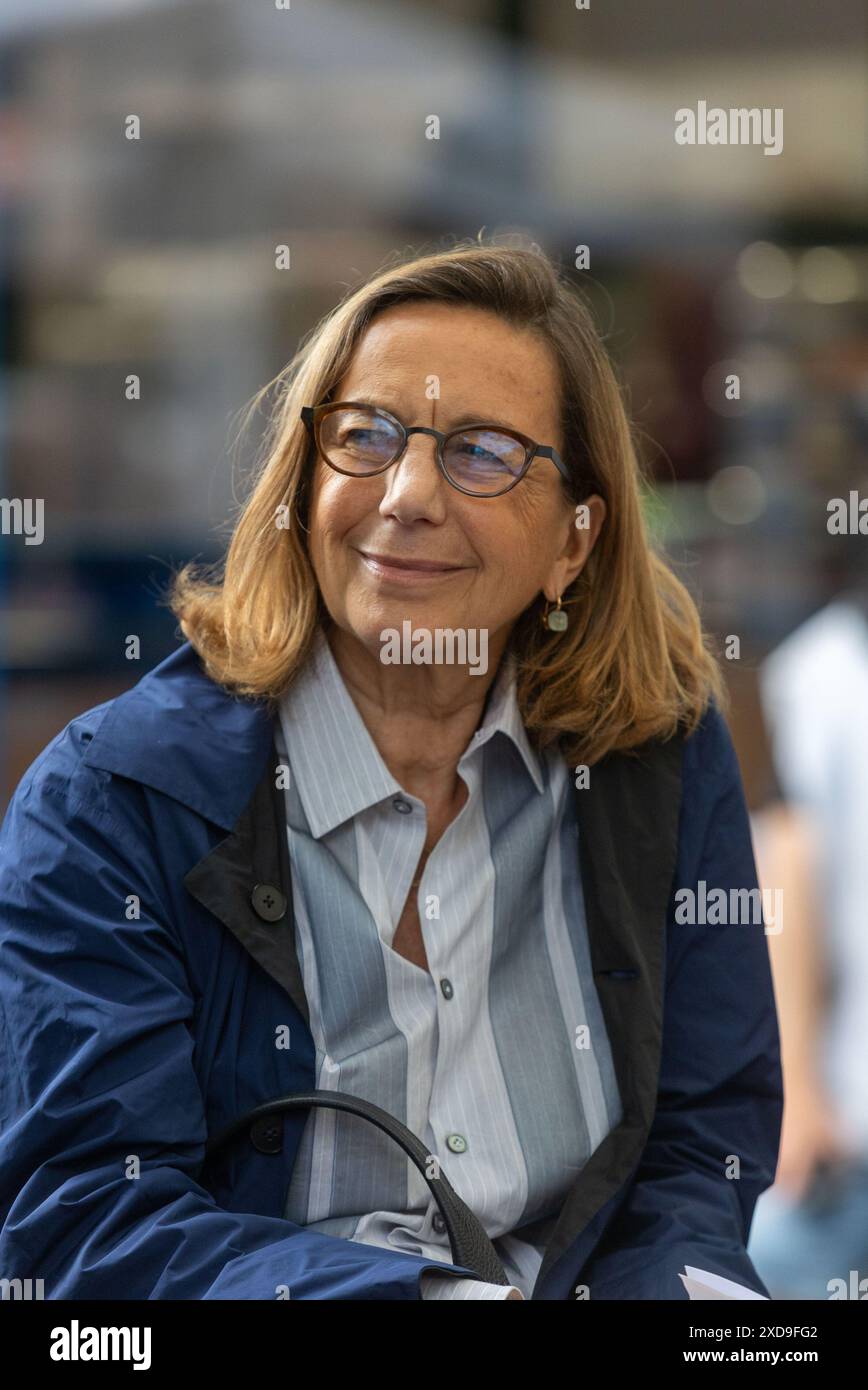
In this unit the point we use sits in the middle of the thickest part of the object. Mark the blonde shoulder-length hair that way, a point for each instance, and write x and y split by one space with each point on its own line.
632 665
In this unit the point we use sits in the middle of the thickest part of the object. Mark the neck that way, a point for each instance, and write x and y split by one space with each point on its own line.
421 718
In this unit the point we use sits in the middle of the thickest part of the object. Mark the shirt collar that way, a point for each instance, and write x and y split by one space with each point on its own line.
338 769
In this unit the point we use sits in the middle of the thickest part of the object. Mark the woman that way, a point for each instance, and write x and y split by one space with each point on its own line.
408 819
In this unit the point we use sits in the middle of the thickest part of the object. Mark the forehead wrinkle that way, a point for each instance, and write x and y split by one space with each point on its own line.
376 385
463 417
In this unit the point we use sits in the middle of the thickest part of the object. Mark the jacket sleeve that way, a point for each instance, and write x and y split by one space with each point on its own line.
102 1126
713 1144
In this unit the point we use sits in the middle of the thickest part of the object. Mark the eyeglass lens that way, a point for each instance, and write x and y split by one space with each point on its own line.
362 441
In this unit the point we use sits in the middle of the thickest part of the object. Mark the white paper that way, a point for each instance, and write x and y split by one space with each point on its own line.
701 1285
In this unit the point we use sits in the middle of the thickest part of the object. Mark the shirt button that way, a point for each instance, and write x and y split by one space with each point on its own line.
438 1223
456 1143
268 902
446 987
401 805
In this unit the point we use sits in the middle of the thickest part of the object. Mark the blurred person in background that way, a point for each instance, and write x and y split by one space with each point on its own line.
811 1228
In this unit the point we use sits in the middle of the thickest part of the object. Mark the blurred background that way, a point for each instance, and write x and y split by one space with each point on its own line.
305 126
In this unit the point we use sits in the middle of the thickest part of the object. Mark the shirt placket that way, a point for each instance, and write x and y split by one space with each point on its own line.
451 1144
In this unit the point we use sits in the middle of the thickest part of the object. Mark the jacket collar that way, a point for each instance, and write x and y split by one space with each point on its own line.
182 734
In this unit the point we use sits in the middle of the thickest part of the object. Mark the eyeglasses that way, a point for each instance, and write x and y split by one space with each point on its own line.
481 460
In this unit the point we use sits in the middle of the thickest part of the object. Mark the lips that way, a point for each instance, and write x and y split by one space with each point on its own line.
411 564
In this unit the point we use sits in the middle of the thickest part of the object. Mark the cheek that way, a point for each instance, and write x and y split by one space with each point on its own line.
337 505
527 532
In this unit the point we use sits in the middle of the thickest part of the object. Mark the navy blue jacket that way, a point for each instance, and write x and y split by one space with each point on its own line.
142 986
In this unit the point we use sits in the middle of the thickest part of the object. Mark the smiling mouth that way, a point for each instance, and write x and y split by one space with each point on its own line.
394 562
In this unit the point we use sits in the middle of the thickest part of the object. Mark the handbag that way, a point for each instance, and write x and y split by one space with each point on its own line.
468 1239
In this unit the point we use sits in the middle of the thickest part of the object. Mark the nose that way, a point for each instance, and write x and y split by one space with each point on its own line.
415 487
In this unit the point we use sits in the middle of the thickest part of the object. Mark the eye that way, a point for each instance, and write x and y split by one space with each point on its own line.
477 453
359 434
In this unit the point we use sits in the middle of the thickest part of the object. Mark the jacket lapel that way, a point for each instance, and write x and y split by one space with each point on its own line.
245 882
628 843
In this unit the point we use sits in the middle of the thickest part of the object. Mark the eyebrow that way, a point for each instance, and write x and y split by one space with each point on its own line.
456 424
475 420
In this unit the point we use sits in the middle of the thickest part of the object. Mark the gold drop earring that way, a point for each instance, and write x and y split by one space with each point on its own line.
555 619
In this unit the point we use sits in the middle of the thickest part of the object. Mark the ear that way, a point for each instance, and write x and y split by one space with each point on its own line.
583 526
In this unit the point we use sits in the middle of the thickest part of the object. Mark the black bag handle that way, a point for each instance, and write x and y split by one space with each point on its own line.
468 1240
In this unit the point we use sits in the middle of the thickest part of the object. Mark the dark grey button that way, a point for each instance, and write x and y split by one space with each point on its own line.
438 1223
446 987
401 805
456 1143
266 1134
268 902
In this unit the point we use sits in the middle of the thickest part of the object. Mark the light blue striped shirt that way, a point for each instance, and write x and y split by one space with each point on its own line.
498 1059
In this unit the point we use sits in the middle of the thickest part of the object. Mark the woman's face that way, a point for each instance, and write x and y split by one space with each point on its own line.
492 555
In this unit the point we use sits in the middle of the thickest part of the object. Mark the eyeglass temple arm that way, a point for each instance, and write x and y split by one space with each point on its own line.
547 451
